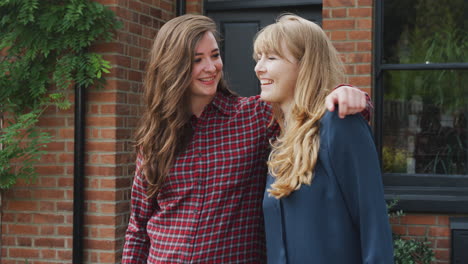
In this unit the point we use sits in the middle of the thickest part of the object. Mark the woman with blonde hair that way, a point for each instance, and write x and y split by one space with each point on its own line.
201 164
324 200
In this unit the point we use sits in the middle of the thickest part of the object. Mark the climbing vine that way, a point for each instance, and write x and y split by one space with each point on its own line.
44 53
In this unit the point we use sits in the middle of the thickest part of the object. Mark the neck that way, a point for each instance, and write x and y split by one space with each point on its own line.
286 108
198 104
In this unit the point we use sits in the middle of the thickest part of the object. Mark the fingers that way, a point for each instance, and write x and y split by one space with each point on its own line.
330 101
350 100
343 105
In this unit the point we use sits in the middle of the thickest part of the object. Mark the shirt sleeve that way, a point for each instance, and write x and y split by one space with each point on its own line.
137 243
355 163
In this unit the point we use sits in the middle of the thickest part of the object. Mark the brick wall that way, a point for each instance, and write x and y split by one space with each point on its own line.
37 220
348 23
434 227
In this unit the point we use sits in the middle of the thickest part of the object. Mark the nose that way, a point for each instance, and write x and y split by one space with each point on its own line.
209 66
259 67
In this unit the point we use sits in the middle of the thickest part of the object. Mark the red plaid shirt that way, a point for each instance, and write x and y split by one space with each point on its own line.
210 208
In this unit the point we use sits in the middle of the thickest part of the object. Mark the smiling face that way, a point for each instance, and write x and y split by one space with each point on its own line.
277 75
206 69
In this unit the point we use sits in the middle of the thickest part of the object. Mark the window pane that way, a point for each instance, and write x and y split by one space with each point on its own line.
425 31
425 117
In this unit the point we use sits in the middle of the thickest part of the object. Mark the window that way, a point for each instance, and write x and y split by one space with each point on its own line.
421 121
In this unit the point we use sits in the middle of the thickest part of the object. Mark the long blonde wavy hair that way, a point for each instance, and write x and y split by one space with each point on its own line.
164 129
295 152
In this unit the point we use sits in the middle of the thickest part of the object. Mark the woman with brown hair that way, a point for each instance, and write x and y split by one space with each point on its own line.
200 174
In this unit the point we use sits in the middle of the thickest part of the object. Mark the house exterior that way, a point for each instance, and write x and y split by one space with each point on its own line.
420 123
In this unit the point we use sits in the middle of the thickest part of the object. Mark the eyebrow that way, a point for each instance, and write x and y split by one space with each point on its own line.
214 50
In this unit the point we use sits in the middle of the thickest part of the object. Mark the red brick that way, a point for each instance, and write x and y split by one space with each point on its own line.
333 24
24 241
418 219
65 254
338 3
360 35
48 219
401 230
360 81
358 57
49 170
22 229
46 206
21 206
101 146
23 253
364 24
100 244
55 146
439 231
442 243
417 230
350 69
443 220
49 242
338 13
363 69
441 254
48 254
338 35
51 122
365 2
48 194
360 12
23 218
65 230
364 46
47 230
344 46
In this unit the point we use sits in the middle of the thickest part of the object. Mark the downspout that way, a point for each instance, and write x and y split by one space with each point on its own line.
180 7
78 174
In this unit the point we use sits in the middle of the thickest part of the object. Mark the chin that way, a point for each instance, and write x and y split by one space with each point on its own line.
265 97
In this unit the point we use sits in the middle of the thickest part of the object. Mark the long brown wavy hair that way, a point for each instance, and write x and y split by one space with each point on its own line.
164 129
295 152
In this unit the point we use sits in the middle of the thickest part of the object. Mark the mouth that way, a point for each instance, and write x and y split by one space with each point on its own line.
266 81
208 80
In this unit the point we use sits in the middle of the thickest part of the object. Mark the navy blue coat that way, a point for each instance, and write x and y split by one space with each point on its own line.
341 217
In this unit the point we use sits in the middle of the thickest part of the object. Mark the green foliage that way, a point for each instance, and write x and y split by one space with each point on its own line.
409 251
393 159
45 52
433 33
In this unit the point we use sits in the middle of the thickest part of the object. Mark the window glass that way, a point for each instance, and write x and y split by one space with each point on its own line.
425 31
425 117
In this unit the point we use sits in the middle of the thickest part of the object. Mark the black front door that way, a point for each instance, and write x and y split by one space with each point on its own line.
238 21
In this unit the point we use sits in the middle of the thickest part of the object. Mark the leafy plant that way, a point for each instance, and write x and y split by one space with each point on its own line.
409 251
44 51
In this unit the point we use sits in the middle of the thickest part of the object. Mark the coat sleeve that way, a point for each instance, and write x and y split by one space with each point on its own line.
137 243
356 166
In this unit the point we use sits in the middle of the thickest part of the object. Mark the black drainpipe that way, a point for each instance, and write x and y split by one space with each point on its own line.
180 7
78 167
78 174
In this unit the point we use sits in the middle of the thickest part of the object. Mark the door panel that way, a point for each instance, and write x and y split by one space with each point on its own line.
238 28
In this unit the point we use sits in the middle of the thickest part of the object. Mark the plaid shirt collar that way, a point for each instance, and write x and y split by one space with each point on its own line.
224 103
